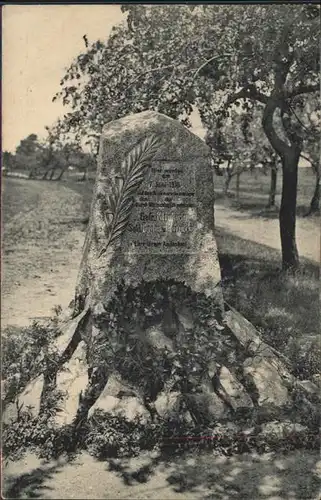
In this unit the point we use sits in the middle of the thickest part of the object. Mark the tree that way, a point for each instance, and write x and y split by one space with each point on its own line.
8 161
169 58
263 153
311 122
59 151
28 153
291 70
231 145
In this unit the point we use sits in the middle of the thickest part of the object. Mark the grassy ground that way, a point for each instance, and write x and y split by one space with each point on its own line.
254 191
284 308
43 232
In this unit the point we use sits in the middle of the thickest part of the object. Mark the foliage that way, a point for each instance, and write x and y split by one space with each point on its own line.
171 58
282 307
24 355
122 347
28 153
106 436
8 160
49 158
38 434
114 436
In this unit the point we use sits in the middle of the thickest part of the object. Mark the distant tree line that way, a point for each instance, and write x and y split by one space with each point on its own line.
48 159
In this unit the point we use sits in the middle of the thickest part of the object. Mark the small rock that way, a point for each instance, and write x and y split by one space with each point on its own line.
131 407
72 380
208 405
235 390
316 379
30 397
281 430
186 318
158 339
168 404
308 387
267 380
116 384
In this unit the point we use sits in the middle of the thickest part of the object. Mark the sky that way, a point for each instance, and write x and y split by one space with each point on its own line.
39 43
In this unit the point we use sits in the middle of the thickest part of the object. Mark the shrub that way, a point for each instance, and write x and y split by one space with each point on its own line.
24 355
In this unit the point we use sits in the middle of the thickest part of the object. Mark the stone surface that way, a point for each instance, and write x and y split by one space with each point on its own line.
209 406
309 387
248 336
267 380
157 339
168 404
72 380
119 398
170 231
30 398
280 430
129 407
236 392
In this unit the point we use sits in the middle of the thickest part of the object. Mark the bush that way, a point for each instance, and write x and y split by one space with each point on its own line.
115 437
24 355
122 347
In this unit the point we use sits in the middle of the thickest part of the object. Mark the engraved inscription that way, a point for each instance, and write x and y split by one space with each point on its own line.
164 216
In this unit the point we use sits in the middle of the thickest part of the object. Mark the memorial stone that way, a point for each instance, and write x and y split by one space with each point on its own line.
168 230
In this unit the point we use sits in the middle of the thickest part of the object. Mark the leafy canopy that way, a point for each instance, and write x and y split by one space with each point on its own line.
172 57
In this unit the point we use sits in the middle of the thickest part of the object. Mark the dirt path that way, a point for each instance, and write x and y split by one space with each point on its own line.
295 476
43 237
47 280
266 231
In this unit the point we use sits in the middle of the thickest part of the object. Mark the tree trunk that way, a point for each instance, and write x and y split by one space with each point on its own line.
287 216
52 174
272 194
32 173
62 171
84 177
238 176
315 202
227 183
228 177
46 174
290 154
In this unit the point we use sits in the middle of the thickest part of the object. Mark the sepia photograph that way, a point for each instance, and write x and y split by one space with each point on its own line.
160 256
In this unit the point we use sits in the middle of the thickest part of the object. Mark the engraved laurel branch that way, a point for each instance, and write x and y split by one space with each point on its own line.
120 201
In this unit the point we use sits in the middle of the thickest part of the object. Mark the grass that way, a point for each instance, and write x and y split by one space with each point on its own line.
284 307
254 191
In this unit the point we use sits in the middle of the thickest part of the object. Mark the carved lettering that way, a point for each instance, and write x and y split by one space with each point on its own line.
164 210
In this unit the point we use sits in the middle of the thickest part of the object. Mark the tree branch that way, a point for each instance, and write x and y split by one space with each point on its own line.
294 138
248 92
299 121
267 122
208 61
303 89
306 158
